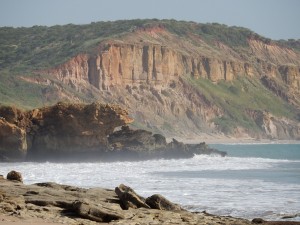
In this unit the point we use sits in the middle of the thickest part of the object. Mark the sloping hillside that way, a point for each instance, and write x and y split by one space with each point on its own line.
177 78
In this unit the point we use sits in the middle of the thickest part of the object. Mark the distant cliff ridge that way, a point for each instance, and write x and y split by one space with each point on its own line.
176 78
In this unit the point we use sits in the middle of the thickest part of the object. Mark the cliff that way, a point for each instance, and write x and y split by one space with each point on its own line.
176 78
83 132
63 129
135 63
149 67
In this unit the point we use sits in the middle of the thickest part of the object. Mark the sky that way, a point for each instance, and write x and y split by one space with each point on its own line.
276 19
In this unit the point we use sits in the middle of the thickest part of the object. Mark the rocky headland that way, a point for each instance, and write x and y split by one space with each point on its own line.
176 78
85 132
63 204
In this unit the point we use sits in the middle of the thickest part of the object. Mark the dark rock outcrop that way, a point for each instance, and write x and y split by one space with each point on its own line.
59 131
68 130
143 144
83 132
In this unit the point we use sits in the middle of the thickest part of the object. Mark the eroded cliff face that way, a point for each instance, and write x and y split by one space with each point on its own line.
291 76
270 52
12 141
58 130
275 127
127 64
147 72
74 128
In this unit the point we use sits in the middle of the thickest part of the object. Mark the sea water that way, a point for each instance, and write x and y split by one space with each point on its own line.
254 180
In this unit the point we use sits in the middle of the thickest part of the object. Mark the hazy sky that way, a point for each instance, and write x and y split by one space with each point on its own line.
275 19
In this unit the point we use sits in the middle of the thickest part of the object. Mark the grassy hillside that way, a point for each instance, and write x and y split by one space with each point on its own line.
24 49
238 96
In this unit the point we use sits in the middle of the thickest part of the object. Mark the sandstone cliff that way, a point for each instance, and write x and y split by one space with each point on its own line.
178 78
154 61
147 72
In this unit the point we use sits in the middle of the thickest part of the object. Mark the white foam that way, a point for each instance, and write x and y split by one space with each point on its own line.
186 181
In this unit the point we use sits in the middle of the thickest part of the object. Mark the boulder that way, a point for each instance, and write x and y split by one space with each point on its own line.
159 202
14 175
130 199
95 213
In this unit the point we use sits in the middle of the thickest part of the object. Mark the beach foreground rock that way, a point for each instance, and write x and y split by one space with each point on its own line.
64 204
14 175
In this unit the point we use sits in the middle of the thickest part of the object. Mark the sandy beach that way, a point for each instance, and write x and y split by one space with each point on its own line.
223 139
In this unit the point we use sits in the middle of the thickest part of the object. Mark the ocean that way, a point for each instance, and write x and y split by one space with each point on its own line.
254 180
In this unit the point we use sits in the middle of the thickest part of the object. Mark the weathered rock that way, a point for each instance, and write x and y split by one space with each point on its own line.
141 144
130 199
203 148
58 131
88 206
15 116
13 143
96 213
139 141
261 221
77 131
159 202
71 129
274 126
14 175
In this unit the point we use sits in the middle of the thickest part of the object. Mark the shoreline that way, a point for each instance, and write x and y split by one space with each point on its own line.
53 204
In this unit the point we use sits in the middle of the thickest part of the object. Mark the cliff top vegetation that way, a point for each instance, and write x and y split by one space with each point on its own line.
22 49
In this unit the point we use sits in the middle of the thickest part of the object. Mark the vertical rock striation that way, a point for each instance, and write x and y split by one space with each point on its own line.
118 64
127 64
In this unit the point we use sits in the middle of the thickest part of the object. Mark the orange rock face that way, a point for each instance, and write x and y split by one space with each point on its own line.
127 64
123 64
